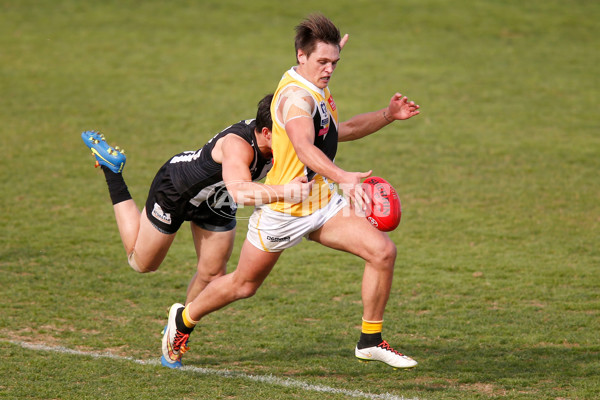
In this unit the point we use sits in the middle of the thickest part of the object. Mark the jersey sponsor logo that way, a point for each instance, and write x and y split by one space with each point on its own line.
331 103
187 156
276 239
158 213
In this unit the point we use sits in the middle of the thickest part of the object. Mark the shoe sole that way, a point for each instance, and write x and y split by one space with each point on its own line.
116 166
368 360
166 363
111 165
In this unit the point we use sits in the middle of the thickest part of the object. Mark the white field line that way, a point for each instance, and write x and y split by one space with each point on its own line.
268 379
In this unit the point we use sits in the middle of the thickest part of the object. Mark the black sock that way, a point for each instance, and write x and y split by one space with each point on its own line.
116 186
180 324
369 340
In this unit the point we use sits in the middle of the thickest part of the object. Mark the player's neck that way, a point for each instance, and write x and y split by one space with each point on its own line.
263 145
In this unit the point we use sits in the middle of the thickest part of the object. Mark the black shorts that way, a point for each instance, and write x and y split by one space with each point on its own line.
167 209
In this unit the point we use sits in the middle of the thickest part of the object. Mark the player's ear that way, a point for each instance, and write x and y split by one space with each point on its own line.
301 56
266 132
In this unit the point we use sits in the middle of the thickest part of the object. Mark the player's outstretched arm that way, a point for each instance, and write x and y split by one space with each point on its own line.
236 158
361 125
400 108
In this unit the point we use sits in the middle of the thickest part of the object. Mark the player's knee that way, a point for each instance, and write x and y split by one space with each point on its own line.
138 266
208 276
384 254
246 290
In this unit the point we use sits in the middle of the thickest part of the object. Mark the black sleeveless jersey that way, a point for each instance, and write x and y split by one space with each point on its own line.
197 177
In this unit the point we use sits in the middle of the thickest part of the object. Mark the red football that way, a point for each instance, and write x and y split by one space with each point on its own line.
385 210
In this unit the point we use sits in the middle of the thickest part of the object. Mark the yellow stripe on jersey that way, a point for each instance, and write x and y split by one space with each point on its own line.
286 164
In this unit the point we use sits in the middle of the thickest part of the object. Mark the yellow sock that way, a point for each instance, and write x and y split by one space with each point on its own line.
370 327
190 323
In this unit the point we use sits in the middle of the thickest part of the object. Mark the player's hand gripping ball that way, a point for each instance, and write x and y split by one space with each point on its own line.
385 209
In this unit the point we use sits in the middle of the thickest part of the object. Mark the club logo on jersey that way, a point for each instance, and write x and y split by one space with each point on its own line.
324 119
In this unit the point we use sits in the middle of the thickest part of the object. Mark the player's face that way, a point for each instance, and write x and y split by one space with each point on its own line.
319 66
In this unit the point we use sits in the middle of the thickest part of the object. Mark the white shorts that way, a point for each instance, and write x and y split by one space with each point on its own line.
273 231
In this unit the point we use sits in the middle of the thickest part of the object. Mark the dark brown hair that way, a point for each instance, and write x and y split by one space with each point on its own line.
263 114
315 28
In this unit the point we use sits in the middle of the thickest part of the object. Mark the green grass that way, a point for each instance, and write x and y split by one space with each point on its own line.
496 292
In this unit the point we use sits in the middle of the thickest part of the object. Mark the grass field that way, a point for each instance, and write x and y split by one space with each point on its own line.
497 285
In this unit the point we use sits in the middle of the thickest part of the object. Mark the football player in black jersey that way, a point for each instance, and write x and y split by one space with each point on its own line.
203 187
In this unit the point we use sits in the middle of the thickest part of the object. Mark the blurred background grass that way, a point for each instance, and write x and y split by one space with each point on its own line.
496 291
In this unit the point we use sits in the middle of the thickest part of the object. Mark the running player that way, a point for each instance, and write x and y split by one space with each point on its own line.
305 136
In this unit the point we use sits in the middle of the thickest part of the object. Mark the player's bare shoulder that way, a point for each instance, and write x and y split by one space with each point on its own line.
295 102
231 145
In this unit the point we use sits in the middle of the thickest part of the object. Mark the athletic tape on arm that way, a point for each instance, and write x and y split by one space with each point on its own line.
296 97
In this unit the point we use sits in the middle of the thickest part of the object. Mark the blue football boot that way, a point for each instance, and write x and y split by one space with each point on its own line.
111 157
